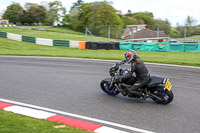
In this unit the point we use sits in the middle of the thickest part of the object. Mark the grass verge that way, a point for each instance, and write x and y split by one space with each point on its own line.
15 123
10 47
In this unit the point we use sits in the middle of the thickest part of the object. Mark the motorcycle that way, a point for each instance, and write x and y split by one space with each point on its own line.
158 89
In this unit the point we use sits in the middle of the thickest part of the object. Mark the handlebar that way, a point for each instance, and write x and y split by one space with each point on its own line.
121 63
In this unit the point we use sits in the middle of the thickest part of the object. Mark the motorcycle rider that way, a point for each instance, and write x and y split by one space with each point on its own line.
137 66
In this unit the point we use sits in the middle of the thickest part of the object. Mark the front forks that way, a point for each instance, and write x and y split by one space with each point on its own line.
111 84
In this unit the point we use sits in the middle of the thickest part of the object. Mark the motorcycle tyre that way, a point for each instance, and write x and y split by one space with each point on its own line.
112 92
163 93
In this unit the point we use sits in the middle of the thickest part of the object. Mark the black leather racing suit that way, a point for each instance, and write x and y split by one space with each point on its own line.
142 75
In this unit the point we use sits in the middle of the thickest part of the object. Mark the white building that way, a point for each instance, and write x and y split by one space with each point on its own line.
130 29
4 21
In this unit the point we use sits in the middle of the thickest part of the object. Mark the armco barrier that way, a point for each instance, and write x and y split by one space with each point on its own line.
3 34
63 43
176 47
28 39
192 47
102 45
14 36
44 41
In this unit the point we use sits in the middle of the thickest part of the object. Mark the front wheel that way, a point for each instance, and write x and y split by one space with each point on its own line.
166 96
105 87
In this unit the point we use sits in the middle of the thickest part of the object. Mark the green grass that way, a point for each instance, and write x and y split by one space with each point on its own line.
10 47
195 37
53 35
63 29
32 26
54 29
15 123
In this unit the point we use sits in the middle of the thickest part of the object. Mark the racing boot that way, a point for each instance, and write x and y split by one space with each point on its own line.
134 90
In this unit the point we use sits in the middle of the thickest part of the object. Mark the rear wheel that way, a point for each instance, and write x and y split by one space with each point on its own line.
166 96
105 87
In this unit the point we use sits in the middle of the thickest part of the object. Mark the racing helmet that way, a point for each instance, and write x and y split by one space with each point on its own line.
130 55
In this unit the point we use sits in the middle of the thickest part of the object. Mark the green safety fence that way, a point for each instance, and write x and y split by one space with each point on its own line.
62 43
192 47
199 47
138 46
3 34
125 45
162 48
176 47
28 39
169 47
149 46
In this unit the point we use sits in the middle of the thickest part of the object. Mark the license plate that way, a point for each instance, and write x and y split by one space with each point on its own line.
168 85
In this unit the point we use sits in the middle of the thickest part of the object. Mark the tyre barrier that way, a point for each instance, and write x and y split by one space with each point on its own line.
74 44
102 45
3 34
14 36
44 41
62 43
82 45
28 39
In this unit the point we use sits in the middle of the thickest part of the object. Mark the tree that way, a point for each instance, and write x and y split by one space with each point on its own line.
35 14
55 13
97 15
77 4
144 18
104 14
174 34
163 25
73 16
128 20
80 17
14 13
190 21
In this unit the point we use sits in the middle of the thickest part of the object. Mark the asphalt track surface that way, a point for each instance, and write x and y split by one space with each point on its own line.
72 85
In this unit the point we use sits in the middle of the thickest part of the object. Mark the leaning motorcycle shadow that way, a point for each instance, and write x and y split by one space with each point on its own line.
121 99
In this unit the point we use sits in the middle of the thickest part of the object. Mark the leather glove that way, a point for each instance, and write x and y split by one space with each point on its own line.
123 62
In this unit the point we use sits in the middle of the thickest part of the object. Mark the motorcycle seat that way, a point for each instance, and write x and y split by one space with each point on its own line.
155 81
